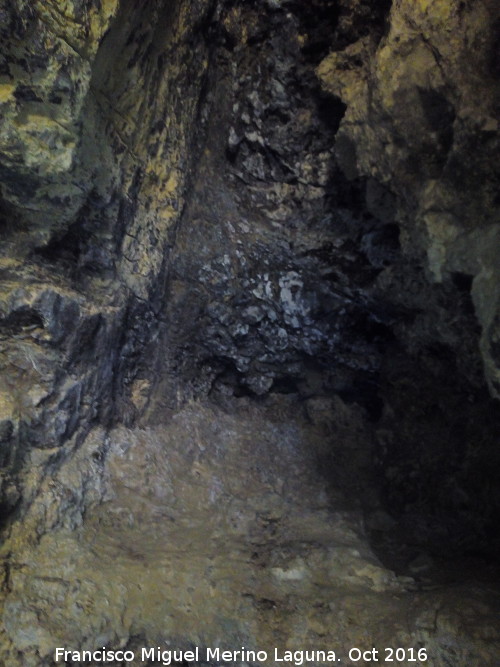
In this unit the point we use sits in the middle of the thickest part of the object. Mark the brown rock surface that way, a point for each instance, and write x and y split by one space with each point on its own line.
209 533
249 326
422 119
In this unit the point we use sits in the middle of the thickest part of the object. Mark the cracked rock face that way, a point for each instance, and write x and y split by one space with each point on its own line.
84 239
249 326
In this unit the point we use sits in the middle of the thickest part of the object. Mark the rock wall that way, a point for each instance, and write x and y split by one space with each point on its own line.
302 264
203 532
332 242
421 132
219 217
422 120
100 104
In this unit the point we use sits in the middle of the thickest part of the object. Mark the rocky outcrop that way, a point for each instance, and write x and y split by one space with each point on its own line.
420 131
99 108
422 121
296 270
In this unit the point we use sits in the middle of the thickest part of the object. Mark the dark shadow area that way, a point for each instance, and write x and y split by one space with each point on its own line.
320 302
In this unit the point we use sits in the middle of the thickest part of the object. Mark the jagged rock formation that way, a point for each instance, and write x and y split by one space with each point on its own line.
92 185
437 59
249 297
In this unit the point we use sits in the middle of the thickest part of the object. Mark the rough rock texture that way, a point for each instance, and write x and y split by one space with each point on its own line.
249 323
421 131
167 541
92 182
422 119
294 272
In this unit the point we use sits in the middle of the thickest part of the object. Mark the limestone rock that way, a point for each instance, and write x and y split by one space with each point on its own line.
249 326
420 116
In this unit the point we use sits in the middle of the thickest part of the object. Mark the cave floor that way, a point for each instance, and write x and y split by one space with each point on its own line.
217 530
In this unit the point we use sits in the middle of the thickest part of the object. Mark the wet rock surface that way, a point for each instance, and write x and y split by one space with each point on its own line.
248 325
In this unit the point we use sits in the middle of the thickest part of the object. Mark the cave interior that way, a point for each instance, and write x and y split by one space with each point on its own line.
250 326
